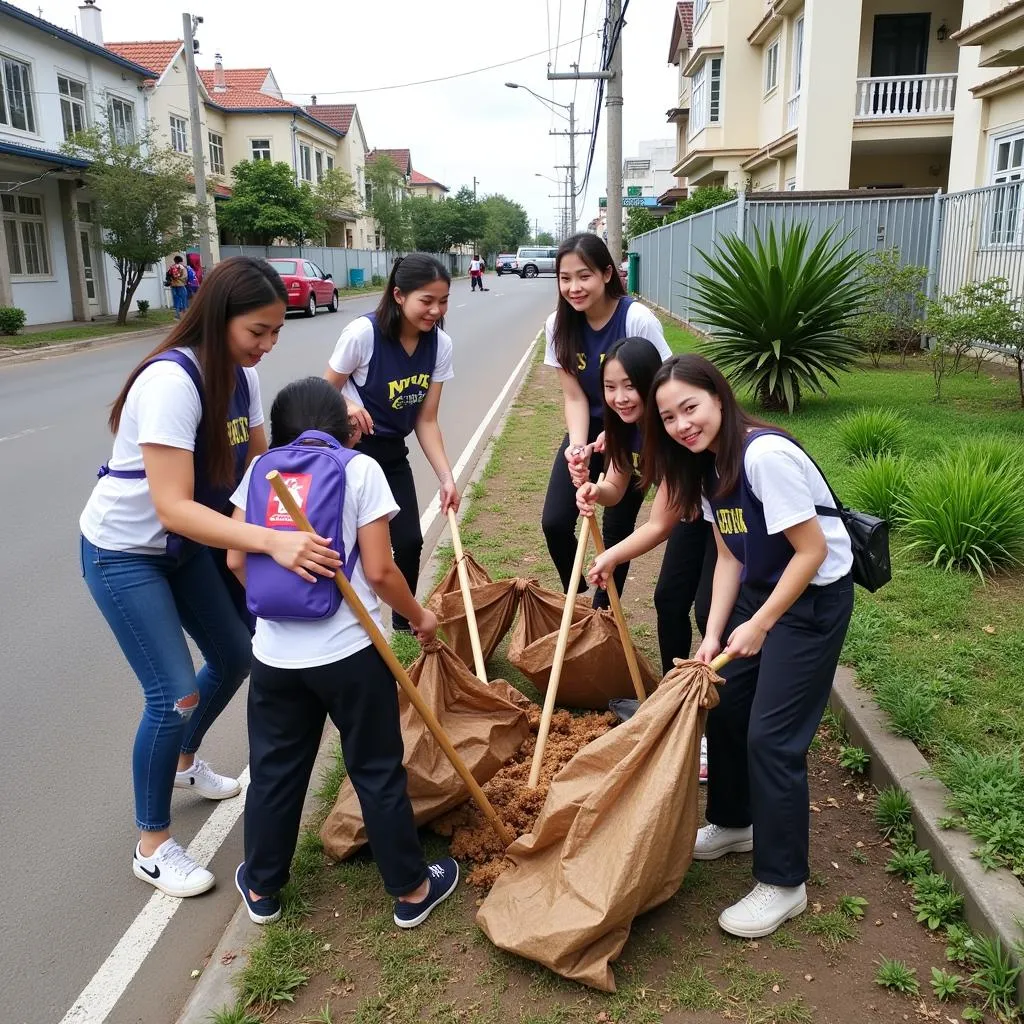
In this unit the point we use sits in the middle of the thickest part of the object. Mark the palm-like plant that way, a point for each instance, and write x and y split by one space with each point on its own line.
779 313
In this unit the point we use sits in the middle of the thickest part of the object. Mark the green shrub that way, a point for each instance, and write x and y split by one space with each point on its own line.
893 810
12 319
779 312
936 904
873 431
891 319
961 513
377 281
143 305
877 484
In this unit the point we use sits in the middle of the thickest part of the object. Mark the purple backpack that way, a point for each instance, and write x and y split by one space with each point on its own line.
313 468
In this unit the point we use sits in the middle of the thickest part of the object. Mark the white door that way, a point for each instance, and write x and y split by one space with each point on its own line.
85 235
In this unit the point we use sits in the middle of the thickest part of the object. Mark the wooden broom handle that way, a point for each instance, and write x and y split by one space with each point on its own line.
357 606
720 662
467 600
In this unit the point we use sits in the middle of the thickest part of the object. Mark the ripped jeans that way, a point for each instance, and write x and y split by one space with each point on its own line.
149 602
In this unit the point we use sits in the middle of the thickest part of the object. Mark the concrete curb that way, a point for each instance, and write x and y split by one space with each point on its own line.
992 899
16 356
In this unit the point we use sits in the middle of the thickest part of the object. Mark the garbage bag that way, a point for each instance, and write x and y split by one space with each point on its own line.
540 613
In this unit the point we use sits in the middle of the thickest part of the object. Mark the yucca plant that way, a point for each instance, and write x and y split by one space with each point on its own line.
873 432
964 514
877 484
780 312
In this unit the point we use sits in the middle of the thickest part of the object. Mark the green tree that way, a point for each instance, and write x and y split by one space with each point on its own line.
335 194
266 204
387 204
473 217
506 226
437 226
144 199
701 199
544 238
638 222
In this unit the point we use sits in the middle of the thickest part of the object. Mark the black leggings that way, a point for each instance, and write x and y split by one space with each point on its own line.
685 580
558 520
406 539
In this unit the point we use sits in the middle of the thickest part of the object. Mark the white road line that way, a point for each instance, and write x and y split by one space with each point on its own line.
23 433
460 305
108 984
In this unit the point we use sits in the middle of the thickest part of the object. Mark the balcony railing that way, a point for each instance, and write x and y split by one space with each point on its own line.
906 96
792 111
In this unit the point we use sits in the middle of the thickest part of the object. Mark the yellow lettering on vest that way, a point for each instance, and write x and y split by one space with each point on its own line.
396 387
581 361
636 463
238 430
730 521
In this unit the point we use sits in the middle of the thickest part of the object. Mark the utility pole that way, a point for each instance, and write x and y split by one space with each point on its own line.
189 23
613 104
569 209
474 188
572 133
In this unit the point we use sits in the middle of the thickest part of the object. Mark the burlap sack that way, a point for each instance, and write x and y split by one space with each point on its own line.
450 583
487 724
540 614
495 605
614 838
594 670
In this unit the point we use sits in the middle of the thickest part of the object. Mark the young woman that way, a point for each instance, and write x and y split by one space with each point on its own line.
304 670
391 365
781 601
593 312
476 273
185 424
177 280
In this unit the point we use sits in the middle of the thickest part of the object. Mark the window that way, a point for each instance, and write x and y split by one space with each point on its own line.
16 96
369 194
791 184
330 163
798 54
319 167
188 225
771 67
122 121
305 164
706 96
25 235
72 106
216 153
260 149
699 7
1005 203
179 134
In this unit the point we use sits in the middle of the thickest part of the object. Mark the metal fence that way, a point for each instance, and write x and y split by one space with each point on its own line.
337 262
960 237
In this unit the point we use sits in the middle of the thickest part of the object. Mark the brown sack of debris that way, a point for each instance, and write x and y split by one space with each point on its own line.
613 840
594 670
495 605
487 724
540 614
449 584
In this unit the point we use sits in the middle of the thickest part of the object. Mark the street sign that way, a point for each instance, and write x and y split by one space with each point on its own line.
630 200
634 190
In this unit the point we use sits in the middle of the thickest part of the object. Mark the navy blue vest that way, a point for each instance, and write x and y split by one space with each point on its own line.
635 445
595 346
740 520
397 383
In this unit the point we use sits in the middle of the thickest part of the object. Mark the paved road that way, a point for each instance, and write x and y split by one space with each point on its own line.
69 703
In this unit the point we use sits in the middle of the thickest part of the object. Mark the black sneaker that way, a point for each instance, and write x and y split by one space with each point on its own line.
265 910
443 877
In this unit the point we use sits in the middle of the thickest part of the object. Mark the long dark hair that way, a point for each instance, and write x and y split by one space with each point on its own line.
233 288
568 331
309 404
407 274
686 474
641 360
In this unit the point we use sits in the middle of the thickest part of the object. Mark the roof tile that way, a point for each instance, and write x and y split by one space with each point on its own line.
337 115
152 54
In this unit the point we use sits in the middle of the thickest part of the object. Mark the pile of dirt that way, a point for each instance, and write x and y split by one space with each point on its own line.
518 806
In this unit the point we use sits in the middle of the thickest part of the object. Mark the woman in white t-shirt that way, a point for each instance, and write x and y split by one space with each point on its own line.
391 366
781 600
185 425
305 669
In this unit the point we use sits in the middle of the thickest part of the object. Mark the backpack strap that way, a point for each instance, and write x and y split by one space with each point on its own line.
823 510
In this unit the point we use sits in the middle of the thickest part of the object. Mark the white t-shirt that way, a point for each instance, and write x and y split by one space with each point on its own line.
789 485
475 265
640 323
307 644
354 350
119 515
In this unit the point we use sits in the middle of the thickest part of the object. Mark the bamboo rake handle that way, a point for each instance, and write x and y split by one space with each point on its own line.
474 632
620 618
357 606
720 662
556 668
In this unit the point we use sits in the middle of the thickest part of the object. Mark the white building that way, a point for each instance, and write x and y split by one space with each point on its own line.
52 84
651 169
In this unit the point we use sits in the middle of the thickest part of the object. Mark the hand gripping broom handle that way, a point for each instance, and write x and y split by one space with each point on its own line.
467 600
357 606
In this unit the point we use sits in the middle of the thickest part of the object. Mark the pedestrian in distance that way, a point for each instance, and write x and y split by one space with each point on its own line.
476 273
593 313
193 282
781 603
177 280
627 373
186 423
310 662
391 366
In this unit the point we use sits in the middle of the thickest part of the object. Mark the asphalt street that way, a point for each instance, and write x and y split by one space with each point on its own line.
69 703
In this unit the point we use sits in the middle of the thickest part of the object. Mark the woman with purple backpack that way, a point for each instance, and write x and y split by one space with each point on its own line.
186 424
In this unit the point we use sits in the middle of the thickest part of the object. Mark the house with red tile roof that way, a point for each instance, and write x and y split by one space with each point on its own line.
421 185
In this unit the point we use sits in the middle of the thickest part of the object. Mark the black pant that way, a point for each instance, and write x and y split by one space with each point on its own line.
406 539
683 569
287 708
759 734
474 281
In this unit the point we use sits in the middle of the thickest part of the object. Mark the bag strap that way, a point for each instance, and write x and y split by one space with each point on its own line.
840 510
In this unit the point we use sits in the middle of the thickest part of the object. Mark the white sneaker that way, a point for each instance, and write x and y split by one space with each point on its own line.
762 910
714 841
202 779
172 870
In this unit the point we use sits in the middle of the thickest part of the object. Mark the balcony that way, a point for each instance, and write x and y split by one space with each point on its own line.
792 112
906 96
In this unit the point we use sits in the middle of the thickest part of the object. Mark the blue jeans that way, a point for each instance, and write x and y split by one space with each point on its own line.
149 602
179 293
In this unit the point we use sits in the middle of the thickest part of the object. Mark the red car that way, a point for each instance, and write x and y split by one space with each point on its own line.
308 286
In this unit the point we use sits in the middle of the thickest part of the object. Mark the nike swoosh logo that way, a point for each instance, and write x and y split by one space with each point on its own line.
155 873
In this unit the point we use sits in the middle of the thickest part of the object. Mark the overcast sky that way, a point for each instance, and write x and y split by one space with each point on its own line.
470 125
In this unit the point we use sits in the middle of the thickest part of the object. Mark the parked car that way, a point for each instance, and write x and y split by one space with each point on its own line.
533 260
506 263
308 286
